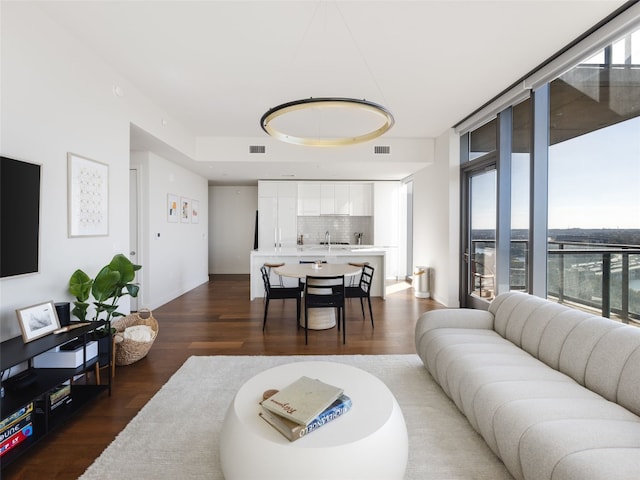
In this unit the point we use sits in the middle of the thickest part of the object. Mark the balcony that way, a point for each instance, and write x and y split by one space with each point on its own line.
600 278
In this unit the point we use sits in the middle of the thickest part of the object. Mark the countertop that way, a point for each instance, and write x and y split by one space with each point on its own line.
338 250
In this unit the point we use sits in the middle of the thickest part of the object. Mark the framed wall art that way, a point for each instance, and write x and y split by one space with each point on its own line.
38 320
172 208
88 192
195 211
185 210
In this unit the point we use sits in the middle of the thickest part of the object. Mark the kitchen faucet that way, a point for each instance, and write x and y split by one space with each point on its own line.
327 238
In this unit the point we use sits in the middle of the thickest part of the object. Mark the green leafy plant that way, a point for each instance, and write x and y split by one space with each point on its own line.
112 282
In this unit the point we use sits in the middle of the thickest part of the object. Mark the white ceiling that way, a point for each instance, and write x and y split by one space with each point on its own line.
217 66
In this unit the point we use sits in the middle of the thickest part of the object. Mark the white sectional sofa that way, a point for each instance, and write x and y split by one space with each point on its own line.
555 392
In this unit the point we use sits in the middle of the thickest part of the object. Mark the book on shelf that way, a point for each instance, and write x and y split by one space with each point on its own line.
61 395
16 416
16 428
303 400
293 431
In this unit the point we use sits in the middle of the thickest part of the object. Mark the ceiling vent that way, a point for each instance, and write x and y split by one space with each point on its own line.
381 149
257 149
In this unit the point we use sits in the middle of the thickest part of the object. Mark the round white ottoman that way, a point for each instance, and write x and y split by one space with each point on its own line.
368 442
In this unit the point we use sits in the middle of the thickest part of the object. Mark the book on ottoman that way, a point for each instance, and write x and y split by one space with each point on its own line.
303 400
293 431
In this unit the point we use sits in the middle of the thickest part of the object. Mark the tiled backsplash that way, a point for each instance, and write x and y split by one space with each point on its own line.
342 228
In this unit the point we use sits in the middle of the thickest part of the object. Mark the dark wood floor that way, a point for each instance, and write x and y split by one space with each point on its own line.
214 319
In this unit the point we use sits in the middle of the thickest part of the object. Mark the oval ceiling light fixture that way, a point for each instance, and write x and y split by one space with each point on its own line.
266 122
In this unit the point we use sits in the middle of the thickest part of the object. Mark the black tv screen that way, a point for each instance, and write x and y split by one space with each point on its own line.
19 217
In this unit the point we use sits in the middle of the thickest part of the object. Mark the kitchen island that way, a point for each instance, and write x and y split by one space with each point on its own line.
331 254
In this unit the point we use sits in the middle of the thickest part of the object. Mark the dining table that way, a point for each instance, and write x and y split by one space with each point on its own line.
319 318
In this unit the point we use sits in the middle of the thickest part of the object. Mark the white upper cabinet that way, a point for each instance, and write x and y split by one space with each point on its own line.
308 199
341 200
327 199
335 198
360 199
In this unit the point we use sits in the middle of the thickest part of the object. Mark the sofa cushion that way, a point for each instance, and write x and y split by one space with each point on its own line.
545 445
629 386
435 342
504 308
596 464
491 404
555 334
578 348
462 318
513 419
477 351
535 327
610 357
472 381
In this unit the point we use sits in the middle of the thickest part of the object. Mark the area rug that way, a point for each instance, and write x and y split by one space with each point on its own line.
176 434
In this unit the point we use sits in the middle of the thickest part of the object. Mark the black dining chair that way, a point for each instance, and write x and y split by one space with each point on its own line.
324 292
271 265
363 290
272 293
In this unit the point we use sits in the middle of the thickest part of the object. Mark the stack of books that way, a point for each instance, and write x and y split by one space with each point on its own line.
16 428
304 406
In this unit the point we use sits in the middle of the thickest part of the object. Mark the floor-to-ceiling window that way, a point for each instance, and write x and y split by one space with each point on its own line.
480 199
591 194
594 181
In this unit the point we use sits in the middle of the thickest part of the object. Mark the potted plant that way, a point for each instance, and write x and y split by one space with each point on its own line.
112 282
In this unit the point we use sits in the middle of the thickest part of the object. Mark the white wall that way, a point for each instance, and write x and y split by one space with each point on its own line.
232 215
436 230
176 253
57 97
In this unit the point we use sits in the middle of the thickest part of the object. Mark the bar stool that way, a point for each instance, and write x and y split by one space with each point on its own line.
269 266
360 265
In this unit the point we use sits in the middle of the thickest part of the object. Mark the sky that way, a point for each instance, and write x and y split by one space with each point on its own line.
594 179
594 182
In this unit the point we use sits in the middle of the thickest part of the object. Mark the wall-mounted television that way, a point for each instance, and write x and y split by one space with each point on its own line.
19 217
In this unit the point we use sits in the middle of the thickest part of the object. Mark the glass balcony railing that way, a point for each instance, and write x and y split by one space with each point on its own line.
602 278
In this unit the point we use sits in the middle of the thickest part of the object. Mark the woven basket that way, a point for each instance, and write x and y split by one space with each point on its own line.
130 351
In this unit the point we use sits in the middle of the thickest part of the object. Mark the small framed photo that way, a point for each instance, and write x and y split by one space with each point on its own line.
38 320
195 211
185 210
172 208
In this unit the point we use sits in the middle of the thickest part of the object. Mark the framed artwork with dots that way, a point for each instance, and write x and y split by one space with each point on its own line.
88 192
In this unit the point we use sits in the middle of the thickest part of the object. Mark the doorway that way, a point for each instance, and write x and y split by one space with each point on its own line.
479 201
134 230
408 190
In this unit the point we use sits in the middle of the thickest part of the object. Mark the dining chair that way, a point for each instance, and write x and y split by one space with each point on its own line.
324 292
355 279
363 290
271 293
270 265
